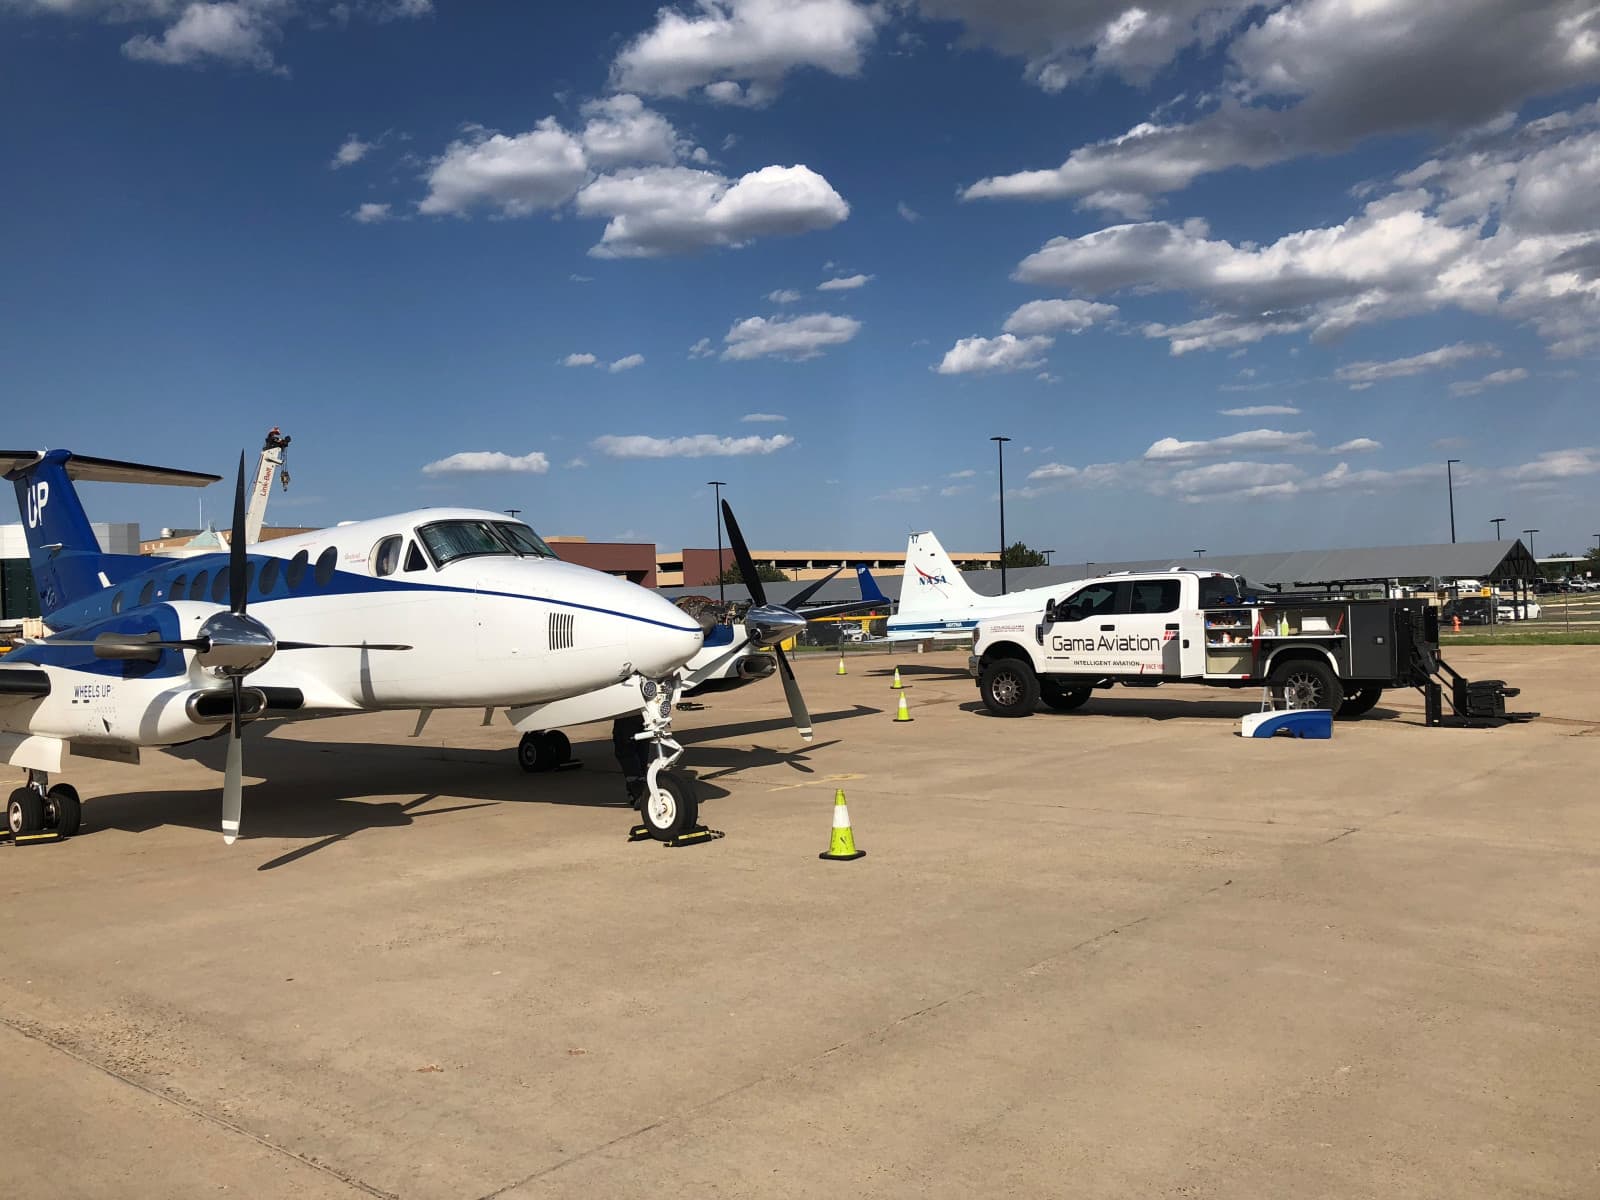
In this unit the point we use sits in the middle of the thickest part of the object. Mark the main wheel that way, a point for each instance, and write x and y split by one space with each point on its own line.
1305 683
1009 688
25 811
1359 702
560 747
63 811
1062 699
535 753
674 807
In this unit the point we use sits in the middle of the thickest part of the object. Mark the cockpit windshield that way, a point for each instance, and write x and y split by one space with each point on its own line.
449 540
523 539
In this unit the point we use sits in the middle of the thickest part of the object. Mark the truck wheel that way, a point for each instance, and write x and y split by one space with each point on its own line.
1359 702
1062 699
1009 688
1306 683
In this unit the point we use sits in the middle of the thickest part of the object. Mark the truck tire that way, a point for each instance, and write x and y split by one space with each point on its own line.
1062 699
1009 688
1359 702
1306 683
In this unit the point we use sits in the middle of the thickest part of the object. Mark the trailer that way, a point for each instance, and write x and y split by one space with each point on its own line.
1311 650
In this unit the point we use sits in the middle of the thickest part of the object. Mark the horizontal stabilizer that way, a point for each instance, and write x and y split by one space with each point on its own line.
106 470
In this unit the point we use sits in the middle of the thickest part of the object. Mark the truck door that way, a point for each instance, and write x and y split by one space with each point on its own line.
1078 641
1148 635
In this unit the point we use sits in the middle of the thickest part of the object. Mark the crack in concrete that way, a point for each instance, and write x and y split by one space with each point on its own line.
193 1109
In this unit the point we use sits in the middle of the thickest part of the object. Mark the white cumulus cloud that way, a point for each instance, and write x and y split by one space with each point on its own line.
1058 316
486 462
351 151
1251 441
760 417
844 283
1471 387
1262 410
626 363
738 51
653 211
515 175
579 360
699 445
1360 375
796 338
1004 353
783 296
371 213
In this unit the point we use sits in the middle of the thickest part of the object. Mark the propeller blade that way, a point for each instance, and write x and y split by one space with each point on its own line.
340 646
810 590
233 779
791 692
238 581
741 553
142 647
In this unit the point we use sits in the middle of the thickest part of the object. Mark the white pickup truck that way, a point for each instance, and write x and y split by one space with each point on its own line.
1201 627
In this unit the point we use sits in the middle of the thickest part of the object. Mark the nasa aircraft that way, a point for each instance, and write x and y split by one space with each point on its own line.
936 603
438 608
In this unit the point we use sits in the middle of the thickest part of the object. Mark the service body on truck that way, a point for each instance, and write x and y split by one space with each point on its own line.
1200 627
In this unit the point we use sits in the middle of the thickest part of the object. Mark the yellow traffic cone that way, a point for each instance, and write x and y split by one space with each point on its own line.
840 671
897 685
842 847
905 713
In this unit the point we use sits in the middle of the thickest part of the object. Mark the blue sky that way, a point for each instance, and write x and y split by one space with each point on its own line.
1230 275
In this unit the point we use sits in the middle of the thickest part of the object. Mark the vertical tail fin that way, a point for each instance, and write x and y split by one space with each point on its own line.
68 563
932 586
870 590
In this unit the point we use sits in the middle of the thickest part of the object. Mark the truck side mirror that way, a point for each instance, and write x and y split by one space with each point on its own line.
1050 612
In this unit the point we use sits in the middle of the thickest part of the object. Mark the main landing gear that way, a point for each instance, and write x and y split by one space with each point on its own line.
544 750
37 812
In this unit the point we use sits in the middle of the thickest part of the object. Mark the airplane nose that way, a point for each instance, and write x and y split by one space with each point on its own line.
664 639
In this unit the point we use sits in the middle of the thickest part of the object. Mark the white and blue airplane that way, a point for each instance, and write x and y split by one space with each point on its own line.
437 608
937 605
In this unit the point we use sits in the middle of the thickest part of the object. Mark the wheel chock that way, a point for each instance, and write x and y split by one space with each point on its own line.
698 836
37 837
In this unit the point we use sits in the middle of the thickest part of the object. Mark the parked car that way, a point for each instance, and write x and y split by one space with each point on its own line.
1513 610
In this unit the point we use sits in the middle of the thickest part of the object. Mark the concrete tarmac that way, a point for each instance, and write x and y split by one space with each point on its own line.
1114 953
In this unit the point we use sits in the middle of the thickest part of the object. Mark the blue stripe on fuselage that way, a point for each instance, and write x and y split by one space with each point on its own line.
87 617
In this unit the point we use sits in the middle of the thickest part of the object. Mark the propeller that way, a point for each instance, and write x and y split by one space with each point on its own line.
771 624
230 644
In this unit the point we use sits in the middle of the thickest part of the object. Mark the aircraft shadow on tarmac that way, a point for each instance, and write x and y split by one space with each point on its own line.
1162 710
314 789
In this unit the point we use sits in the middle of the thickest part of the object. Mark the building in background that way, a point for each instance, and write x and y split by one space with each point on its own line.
633 561
17 595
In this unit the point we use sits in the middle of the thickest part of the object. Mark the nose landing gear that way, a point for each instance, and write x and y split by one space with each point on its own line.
668 801
37 812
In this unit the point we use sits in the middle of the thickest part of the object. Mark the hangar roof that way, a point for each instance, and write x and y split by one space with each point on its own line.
1488 561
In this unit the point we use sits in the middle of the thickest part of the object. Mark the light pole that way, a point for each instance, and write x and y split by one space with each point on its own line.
1000 449
1497 522
1047 554
1450 483
1199 553
718 485
1596 537
1530 533
511 512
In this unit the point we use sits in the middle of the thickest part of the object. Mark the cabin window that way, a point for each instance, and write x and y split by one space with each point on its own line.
219 587
327 563
269 575
414 559
296 570
176 592
147 593
385 557
197 589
